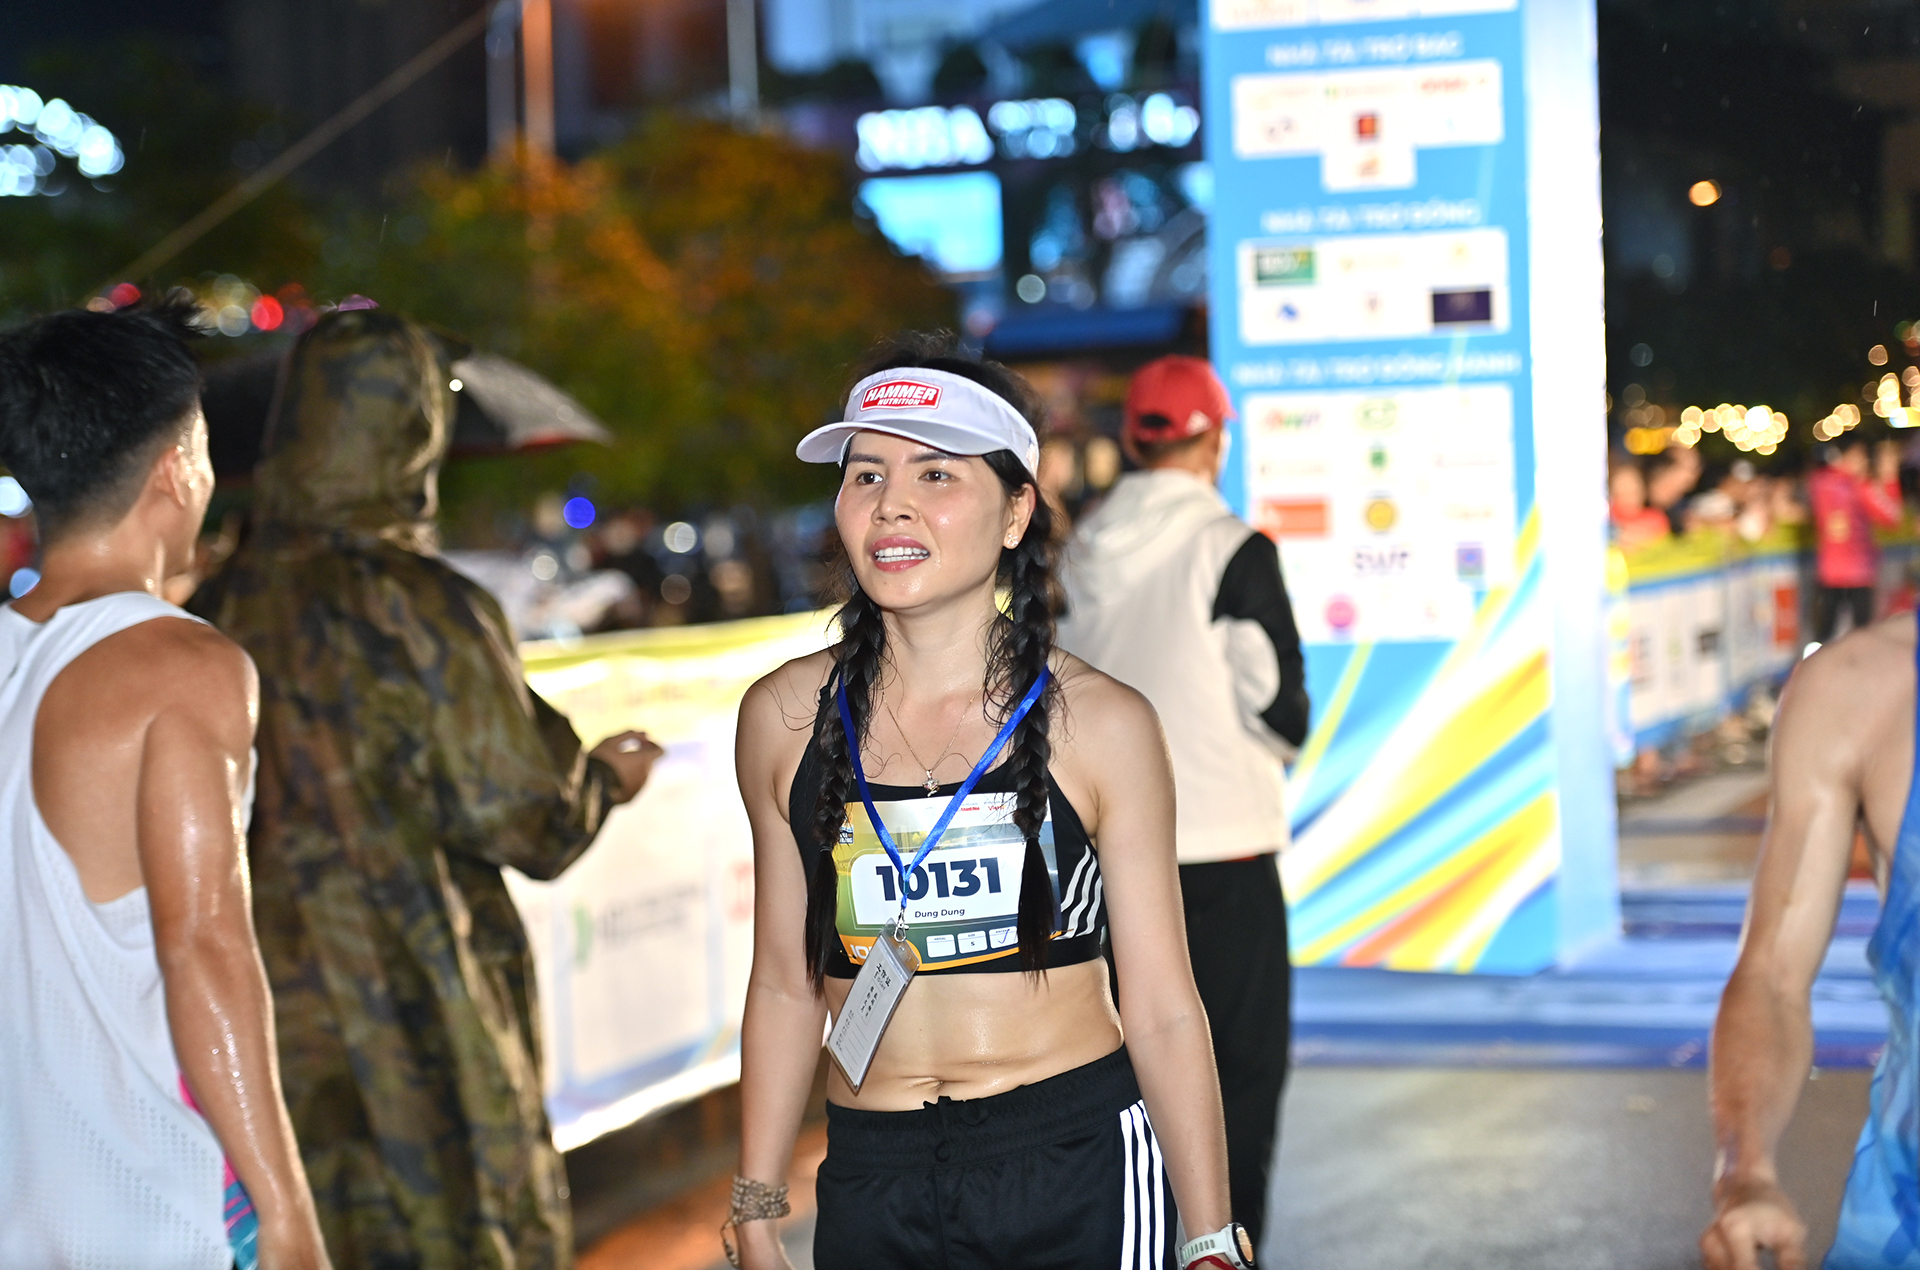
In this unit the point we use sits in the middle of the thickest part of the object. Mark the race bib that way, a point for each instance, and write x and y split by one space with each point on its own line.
963 901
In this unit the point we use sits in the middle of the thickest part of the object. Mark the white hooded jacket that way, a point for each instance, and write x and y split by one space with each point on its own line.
1170 592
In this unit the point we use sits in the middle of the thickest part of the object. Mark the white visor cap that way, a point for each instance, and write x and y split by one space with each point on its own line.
946 411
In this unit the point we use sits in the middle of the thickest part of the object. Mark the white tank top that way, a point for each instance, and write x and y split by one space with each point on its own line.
102 1164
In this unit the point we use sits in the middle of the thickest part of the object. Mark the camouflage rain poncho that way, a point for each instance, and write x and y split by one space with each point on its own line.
403 761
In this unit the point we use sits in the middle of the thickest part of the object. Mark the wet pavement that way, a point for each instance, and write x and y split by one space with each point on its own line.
1700 834
1491 1169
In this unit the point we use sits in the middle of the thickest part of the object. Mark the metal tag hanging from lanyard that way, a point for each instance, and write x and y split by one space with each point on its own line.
893 960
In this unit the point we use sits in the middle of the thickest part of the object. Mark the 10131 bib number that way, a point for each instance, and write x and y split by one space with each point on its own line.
963 883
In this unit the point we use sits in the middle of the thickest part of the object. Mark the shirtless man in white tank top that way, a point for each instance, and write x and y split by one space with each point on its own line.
128 727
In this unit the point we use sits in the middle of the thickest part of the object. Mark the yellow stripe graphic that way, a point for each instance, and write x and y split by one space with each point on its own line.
1494 718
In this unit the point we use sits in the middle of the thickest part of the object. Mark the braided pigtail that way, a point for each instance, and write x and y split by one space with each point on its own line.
1019 648
863 642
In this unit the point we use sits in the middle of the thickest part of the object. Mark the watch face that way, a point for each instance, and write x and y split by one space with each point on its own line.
1245 1241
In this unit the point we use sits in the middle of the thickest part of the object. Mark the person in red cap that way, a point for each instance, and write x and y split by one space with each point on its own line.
1170 592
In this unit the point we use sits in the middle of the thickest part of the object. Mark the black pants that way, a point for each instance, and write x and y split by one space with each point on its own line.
1063 1174
1830 601
1237 938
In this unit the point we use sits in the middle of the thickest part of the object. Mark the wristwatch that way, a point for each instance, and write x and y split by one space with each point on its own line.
1228 1248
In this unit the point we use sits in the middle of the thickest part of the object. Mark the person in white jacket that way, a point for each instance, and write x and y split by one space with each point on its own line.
1170 592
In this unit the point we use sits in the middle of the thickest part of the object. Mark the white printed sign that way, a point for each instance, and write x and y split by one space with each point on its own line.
1366 124
1393 510
1373 286
668 882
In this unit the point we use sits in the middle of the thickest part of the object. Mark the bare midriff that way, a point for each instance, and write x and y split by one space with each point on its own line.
973 1036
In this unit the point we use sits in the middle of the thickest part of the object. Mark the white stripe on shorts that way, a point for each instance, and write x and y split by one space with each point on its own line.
1129 1235
1143 1215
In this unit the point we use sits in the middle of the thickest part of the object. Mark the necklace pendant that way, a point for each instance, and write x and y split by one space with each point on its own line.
932 785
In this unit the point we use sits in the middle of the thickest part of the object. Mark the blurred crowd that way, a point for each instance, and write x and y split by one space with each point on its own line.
1674 493
1853 492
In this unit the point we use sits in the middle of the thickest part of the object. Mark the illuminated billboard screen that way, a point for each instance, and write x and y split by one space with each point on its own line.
952 221
1095 203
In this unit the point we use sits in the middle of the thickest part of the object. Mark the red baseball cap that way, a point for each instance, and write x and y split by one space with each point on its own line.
1183 392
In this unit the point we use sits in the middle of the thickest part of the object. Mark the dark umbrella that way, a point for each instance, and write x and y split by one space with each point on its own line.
503 407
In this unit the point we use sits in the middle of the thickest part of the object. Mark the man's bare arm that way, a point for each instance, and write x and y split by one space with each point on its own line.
1763 1037
192 842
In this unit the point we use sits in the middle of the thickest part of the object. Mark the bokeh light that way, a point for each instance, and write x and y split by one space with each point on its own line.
680 537
578 513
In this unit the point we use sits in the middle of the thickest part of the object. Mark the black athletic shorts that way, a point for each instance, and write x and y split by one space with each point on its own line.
1065 1174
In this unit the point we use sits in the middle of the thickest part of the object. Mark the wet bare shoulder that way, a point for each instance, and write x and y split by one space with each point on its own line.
1860 671
175 663
776 718
788 696
1848 695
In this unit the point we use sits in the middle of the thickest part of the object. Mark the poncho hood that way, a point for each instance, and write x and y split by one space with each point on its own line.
359 427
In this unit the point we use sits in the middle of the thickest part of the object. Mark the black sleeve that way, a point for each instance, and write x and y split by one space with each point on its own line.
1251 590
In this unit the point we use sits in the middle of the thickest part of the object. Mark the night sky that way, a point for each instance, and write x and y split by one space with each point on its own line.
27 26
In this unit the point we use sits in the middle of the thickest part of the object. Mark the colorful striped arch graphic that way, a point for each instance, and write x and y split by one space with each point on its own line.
1425 817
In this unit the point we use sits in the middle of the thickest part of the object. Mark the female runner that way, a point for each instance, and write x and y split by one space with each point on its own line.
1012 1116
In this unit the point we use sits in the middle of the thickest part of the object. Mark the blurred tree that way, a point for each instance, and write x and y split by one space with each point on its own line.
704 291
186 143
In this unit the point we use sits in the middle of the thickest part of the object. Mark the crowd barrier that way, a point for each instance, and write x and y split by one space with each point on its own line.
1702 620
642 947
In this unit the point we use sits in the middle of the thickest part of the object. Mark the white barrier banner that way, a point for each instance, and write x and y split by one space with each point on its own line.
642 948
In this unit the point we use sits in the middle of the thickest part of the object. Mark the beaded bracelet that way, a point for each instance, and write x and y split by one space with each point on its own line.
752 1201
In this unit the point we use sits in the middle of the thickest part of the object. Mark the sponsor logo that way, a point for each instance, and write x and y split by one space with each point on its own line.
900 394
1378 415
1462 308
1294 517
1381 514
1340 614
1470 562
1282 266
1380 562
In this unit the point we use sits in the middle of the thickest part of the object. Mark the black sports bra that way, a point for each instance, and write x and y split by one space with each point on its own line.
964 901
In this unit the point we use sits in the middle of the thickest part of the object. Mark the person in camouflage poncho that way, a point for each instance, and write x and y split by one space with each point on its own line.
402 763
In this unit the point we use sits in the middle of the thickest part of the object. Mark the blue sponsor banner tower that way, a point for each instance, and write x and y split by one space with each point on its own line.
1406 304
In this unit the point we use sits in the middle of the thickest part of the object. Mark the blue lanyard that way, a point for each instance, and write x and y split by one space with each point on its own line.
953 806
